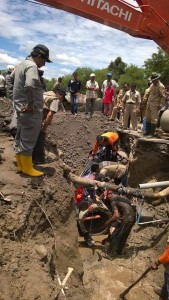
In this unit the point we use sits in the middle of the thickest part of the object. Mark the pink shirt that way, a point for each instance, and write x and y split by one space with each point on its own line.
109 93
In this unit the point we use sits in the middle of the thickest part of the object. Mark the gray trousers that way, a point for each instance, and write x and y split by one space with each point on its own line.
90 105
28 128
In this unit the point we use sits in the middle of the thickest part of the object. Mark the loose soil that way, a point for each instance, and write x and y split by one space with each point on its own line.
38 234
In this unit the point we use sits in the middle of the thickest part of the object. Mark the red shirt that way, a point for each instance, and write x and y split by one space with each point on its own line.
109 93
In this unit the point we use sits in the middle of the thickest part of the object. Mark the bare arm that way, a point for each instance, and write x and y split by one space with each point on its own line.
113 218
48 119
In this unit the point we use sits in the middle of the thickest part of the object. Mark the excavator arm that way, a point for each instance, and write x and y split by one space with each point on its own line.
148 20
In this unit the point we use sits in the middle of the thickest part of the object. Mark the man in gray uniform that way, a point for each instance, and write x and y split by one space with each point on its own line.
28 104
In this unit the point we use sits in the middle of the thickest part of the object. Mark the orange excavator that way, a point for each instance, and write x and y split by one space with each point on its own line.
148 20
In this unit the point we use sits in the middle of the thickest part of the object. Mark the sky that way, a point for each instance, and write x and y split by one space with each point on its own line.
73 41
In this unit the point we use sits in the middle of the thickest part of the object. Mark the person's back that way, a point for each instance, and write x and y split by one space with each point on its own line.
124 207
122 221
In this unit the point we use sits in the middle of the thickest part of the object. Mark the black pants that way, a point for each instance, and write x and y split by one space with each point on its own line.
2 92
38 154
120 236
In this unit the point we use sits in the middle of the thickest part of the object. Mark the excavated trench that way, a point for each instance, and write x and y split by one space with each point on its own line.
38 233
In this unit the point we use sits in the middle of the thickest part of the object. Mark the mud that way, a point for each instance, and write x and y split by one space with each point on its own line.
38 233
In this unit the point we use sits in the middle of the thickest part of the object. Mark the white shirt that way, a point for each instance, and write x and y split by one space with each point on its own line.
2 81
105 85
91 94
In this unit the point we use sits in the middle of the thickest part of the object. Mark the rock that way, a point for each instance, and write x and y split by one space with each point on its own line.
41 251
15 267
60 153
51 156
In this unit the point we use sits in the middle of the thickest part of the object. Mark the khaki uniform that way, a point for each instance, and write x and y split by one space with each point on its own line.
155 100
144 102
51 101
118 104
131 102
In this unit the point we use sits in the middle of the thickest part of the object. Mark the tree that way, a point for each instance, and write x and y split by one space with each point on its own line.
134 74
117 67
50 83
159 62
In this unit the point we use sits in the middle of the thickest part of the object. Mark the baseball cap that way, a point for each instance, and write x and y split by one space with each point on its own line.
43 51
92 75
109 74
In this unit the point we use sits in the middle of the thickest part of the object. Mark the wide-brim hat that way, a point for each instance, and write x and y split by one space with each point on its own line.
43 51
154 76
92 75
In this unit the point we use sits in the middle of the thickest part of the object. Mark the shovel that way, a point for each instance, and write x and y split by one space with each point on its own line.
122 296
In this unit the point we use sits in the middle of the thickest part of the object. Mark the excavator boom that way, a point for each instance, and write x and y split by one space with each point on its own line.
149 20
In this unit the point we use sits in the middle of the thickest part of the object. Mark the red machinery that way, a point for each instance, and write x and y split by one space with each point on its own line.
151 21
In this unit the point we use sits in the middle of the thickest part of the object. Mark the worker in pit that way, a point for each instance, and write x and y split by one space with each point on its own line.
110 141
84 198
163 260
120 224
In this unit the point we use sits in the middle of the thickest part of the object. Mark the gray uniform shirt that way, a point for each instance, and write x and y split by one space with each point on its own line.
27 89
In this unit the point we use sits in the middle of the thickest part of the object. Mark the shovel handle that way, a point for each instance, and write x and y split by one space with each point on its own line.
134 283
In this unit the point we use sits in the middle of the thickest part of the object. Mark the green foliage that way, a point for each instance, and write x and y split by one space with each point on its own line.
50 83
3 72
134 74
159 62
117 67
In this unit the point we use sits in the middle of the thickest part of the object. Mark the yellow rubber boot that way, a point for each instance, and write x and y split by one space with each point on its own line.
19 165
27 167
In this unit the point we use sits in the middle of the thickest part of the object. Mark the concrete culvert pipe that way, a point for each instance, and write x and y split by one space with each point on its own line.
164 122
94 220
